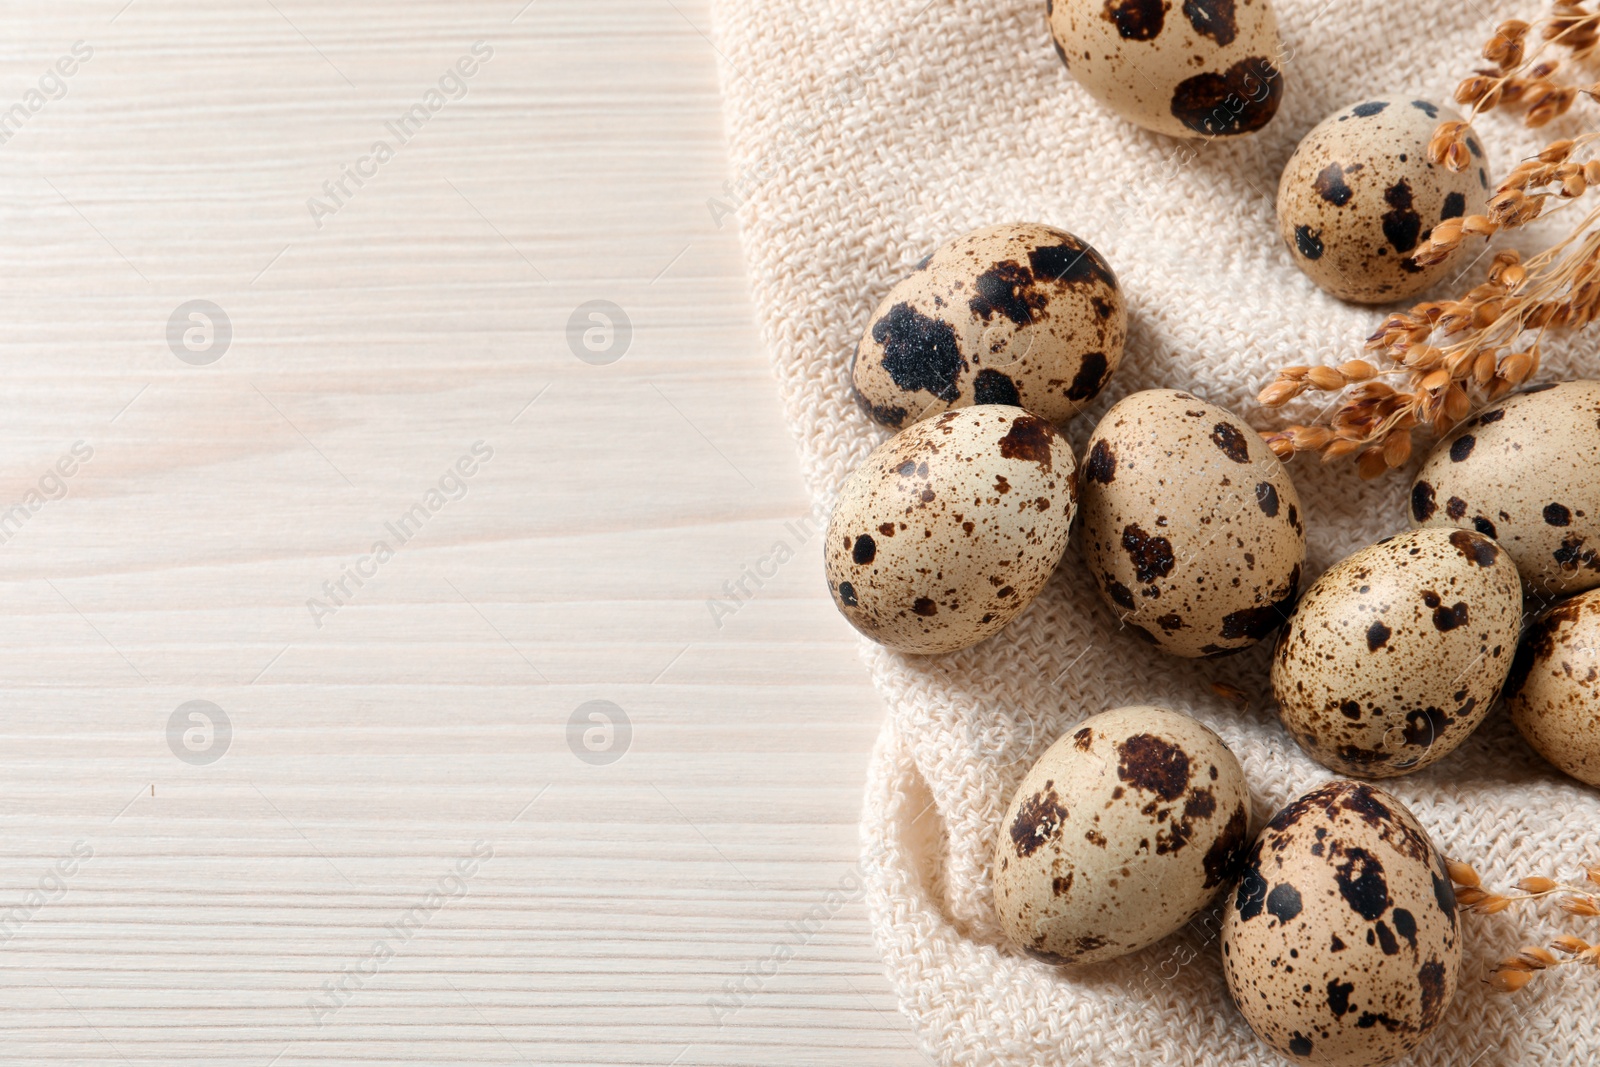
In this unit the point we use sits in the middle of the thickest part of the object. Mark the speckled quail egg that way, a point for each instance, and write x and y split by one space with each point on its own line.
1395 654
1554 691
951 527
1191 527
1340 943
1119 835
1023 314
1359 195
1205 68
1524 473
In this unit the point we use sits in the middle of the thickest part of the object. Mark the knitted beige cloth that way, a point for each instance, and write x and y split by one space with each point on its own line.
865 132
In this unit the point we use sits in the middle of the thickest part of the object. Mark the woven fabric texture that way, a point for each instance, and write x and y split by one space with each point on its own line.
865 132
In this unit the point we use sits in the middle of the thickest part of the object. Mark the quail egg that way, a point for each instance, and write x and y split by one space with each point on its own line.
1359 195
1554 692
1339 943
950 528
1523 473
1395 654
1205 68
1119 835
1023 314
1191 527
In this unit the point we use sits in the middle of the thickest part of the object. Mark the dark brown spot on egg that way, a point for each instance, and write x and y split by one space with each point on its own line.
1090 377
1226 853
1431 110
1367 110
1455 205
1361 883
1267 498
1448 618
1038 820
1431 980
919 352
1083 739
925 607
1052 958
1401 224
1059 887
1300 1044
1006 289
992 387
1444 894
1154 765
1212 18
1405 924
1255 623
1151 555
1137 20
1557 515
1386 940
1283 903
1377 636
1308 242
1101 465
1350 709
1226 436
1170 622
847 594
1422 504
1243 99
1339 993
1462 447
882 414
1071 263
1029 439
1119 592
1330 185
865 551
1477 549
1455 507
1484 526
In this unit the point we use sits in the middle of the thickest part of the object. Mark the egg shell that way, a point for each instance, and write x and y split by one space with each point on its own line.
1191 526
1554 691
1523 472
1395 655
950 528
1340 942
1119 835
1205 68
1022 314
1359 195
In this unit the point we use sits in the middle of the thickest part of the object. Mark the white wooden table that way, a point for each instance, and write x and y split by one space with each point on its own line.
379 839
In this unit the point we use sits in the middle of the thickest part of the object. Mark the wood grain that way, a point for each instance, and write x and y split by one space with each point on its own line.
168 911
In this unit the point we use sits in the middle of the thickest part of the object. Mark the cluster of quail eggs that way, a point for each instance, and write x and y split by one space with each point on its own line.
1340 939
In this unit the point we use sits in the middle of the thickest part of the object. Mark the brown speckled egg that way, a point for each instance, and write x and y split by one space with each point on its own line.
1203 68
1524 473
1191 527
1119 835
1359 195
1395 654
1023 314
1340 943
951 527
1554 692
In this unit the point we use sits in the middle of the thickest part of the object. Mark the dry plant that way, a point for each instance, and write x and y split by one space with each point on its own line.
1434 365
1514 972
